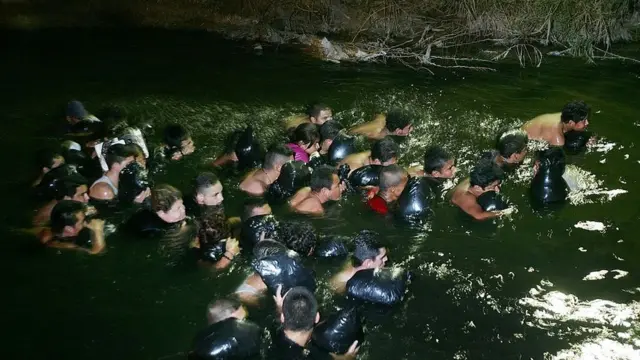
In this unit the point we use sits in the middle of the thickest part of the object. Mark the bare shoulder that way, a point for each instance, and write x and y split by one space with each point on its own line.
310 206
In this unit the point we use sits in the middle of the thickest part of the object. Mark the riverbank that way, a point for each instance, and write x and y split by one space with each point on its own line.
451 33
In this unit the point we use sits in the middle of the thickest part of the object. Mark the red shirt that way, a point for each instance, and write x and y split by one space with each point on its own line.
378 205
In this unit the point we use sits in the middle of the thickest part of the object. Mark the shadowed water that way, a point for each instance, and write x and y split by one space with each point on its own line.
509 289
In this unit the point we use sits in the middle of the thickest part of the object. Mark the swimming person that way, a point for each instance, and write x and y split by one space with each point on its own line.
47 160
177 143
255 207
553 127
167 212
325 186
257 181
305 141
70 231
393 179
439 164
368 254
485 177
70 187
511 149
80 121
106 187
383 152
328 132
298 312
316 114
393 123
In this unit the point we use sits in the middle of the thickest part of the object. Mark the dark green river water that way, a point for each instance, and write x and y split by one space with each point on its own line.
509 289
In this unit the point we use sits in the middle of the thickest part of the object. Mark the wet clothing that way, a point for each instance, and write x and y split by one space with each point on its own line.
145 223
378 204
298 153
285 349
105 179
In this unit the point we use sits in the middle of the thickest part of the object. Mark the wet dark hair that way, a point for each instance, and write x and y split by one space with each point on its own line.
277 153
204 181
67 185
163 197
222 309
116 154
64 214
307 133
322 178
231 141
367 247
396 119
299 308
46 157
485 172
435 157
512 142
174 135
384 149
133 149
268 247
314 109
252 203
390 176
552 158
329 130
298 236
575 111
132 181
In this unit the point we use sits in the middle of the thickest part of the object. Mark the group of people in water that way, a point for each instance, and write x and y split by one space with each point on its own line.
317 164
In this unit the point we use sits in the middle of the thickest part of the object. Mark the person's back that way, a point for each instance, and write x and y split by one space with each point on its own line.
552 127
257 181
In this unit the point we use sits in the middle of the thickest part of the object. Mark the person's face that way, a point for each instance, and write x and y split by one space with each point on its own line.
448 170
381 259
176 213
187 146
310 148
324 116
404 131
395 192
81 194
211 196
336 191
78 226
581 125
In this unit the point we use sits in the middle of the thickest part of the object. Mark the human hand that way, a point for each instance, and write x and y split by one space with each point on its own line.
232 246
90 210
279 298
96 225
507 212
353 349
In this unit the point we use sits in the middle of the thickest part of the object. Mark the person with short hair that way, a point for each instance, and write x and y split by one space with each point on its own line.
368 254
393 179
225 308
69 187
177 143
166 212
383 152
486 176
511 149
328 132
298 311
439 164
316 113
255 207
325 186
553 127
393 123
257 181
305 141
80 121
106 187
70 231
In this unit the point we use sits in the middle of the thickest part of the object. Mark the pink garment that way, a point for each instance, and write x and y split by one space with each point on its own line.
298 153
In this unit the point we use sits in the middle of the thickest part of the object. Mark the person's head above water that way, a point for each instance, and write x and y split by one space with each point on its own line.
75 112
255 206
48 159
67 218
398 123
299 310
225 308
393 179
485 176
328 131
307 137
138 154
72 187
325 182
368 253
319 113
299 236
208 190
117 158
384 152
512 146
177 139
575 116
438 163
166 202
277 156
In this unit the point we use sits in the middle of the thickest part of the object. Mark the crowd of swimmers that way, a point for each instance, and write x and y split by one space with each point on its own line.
103 165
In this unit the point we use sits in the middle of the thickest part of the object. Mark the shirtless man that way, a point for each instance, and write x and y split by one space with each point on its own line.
485 176
325 186
257 181
316 114
383 152
393 123
552 127
511 149
368 254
